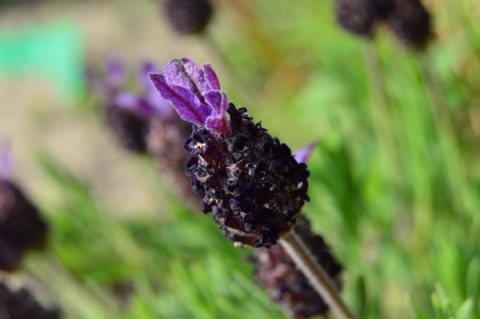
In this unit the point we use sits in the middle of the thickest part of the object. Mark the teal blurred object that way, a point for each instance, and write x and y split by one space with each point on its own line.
53 52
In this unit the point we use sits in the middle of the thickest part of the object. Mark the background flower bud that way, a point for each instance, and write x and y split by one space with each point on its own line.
277 273
411 23
187 16
21 304
21 226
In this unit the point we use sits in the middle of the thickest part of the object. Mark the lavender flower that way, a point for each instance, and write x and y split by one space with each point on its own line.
187 16
356 16
408 19
276 272
21 226
411 23
249 180
124 113
145 122
22 305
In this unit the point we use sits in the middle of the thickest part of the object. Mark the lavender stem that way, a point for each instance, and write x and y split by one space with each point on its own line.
318 278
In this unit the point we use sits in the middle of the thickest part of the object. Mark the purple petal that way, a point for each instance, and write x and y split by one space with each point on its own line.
115 72
136 104
211 78
6 162
224 104
145 70
217 123
94 83
187 105
145 109
125 100
302 154
218 101
185 73
214 100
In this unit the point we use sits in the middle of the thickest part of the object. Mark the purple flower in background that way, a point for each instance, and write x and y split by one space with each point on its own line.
249 180
411 23
187 16
408 19
21 304
356 16
127 114
21 225
6 162
145 122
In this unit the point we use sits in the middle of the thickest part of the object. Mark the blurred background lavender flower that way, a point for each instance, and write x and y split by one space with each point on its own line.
187 16
124 113
22 227
146 123
408 20
21 304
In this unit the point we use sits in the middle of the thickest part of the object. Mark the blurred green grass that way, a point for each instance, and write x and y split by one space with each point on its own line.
394 188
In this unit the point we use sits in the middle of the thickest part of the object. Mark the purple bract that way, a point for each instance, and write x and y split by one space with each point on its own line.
194 93
302 154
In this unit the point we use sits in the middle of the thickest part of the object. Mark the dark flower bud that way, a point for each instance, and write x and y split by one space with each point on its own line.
129 129
277 273
249 180
165 141
21 226
411 23
187 16
124 114
356 16
383 8
22 305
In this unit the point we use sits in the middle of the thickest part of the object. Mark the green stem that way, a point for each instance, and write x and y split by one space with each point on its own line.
379 106
80 302
316 275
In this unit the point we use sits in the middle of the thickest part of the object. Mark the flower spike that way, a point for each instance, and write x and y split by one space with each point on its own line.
249 180
22 227
21 304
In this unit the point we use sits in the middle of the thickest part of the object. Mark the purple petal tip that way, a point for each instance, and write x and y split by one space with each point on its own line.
6 162
302 154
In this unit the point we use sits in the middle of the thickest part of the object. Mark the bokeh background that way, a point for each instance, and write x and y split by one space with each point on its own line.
394 183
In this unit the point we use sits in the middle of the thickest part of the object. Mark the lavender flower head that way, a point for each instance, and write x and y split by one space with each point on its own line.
249 180
21 226
145 122
21 304
127 114
187 16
